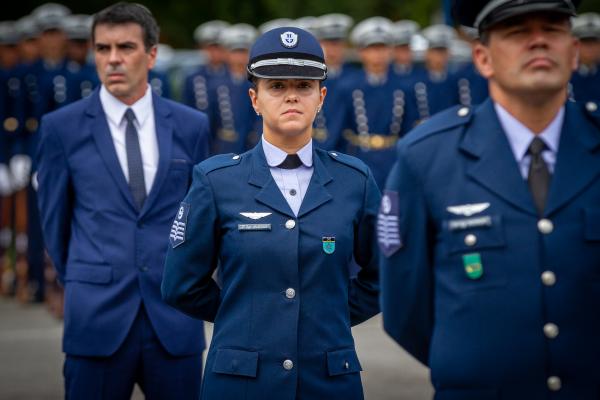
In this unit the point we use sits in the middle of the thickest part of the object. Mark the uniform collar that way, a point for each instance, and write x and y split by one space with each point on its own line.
115 108
520 137
275 155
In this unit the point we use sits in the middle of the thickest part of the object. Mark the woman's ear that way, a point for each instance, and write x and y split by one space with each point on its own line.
253 99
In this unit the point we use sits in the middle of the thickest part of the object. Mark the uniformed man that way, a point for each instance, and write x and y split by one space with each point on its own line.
432 90
195 87
404 31
83 78
332 32
232 119
282 221
585 83
489 224
372 112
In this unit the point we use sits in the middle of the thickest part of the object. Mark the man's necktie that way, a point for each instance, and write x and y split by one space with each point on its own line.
539 175
134 161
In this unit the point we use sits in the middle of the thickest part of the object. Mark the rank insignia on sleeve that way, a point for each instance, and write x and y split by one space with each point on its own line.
388 224
177 235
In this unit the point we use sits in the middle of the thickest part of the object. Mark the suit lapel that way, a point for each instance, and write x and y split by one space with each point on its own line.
106 148
260 176
491 162
577 161
317 194
164 133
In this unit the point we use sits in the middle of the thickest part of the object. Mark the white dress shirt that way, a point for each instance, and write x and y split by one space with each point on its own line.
520 137
144 123
293 183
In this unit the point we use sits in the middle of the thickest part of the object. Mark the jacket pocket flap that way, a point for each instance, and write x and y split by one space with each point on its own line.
341 362
592 224
470 234
236 362
91 273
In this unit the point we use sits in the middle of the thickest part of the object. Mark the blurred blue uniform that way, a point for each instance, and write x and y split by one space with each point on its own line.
456 203
371 117
233 121
82 80
585 84
325 131
195 87
159 82
471 86
430 93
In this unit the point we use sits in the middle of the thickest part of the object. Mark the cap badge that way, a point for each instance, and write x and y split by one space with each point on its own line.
289 39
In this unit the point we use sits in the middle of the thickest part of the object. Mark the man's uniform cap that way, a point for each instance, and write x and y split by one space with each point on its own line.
483 14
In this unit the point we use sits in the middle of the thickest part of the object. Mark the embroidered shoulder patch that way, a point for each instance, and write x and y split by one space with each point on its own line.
388 224
177 235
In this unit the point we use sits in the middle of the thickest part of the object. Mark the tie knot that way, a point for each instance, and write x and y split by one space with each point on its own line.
537 146
129 115
292 161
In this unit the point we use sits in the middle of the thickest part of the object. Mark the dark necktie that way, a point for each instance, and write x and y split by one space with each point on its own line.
539 175
134 161
292 161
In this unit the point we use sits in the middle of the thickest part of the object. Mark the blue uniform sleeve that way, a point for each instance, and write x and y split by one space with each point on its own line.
55 196
187 279
364 288
406 272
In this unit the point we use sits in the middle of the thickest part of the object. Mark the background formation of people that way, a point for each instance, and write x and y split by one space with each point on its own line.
384 78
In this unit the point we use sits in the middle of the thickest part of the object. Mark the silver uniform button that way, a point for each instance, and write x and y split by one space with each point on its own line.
236 157
470 239
591 106
551 330
545 226
288 365
548 278
554 383
463 112
290 293
290 224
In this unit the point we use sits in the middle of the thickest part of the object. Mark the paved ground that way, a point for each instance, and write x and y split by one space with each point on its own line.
31 359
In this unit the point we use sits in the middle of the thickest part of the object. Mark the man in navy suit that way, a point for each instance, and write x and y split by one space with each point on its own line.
490 222
113 168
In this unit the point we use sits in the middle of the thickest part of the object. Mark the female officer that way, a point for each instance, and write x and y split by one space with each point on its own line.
283 222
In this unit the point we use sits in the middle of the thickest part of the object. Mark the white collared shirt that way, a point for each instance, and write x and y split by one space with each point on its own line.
144 123
520 137
293 183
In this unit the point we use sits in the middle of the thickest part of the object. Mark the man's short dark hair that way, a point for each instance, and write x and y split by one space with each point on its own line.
123 13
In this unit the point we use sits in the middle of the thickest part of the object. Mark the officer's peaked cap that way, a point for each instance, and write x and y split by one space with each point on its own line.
287 53
483 14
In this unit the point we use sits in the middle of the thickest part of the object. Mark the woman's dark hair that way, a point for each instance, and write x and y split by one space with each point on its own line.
123 13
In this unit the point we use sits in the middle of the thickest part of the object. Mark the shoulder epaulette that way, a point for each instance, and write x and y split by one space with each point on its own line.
445 120
219 161
349 161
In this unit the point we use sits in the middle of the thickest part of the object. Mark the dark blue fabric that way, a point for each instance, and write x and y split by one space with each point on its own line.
487 334
141 359
109 254
258 323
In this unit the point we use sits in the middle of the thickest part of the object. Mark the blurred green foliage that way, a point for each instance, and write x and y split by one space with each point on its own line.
178 19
